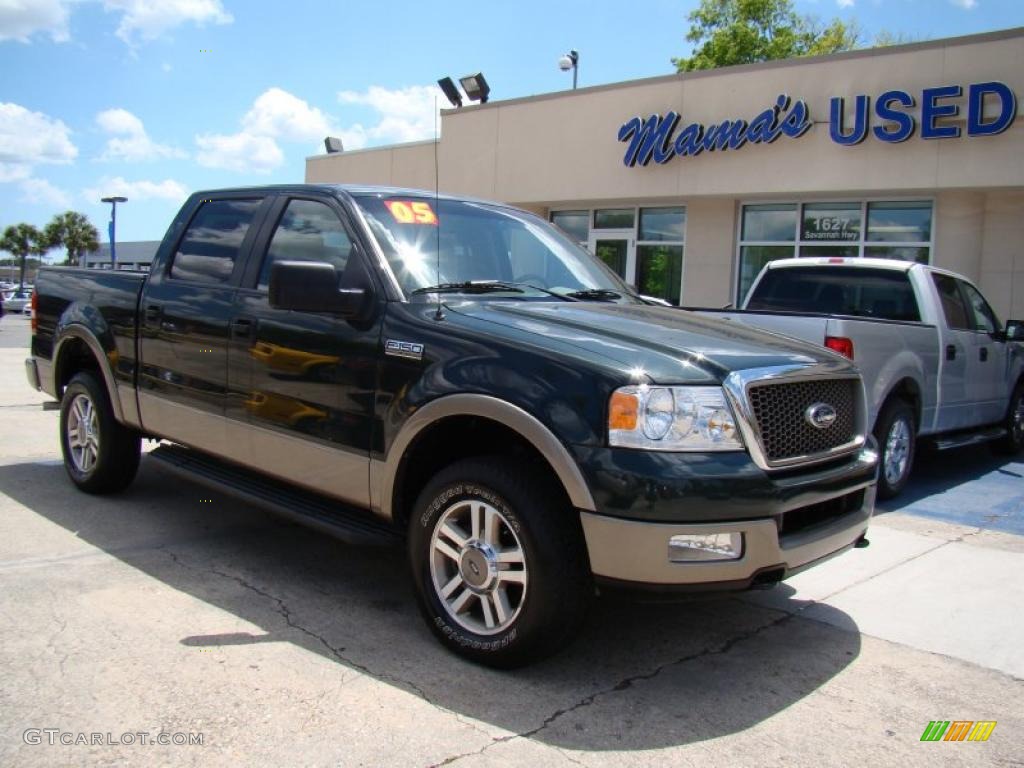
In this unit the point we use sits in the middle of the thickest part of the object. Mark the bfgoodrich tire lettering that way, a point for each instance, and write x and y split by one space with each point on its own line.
510 581
100 455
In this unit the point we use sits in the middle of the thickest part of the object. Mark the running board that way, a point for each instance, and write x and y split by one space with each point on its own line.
973 438
350 524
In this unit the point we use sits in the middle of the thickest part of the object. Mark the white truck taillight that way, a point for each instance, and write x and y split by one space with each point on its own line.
840 344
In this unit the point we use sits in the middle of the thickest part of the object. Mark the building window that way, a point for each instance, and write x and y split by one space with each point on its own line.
659 253
884 229
614 218
576 224
643 246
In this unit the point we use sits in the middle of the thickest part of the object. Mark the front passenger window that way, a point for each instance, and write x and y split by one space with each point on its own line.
307 231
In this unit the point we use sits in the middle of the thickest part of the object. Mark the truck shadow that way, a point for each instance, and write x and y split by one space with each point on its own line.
641 676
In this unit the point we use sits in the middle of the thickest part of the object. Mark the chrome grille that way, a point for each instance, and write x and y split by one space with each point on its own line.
779 412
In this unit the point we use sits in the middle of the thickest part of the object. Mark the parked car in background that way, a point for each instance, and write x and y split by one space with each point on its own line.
936 360
18 301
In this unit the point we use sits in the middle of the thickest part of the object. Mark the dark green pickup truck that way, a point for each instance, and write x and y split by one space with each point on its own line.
389 365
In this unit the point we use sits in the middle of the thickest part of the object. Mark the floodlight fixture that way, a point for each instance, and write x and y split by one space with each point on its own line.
333 145
450 91
476 87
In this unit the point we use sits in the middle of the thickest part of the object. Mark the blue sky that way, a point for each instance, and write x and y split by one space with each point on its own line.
156 98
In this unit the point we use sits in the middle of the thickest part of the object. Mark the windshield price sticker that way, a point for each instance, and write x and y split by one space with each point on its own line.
411 212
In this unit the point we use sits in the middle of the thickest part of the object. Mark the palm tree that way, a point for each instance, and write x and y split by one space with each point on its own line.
74 232
20 240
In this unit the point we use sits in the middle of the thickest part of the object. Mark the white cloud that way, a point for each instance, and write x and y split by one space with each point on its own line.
20 19
29 138
42 192
965 4
241 152
149 19
279 114
404 114
14 171
168 189
130 141
844 3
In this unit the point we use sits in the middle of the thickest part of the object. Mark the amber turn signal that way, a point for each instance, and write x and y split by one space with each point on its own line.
623 411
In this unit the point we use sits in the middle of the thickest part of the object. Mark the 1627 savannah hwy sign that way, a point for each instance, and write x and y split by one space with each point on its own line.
656 137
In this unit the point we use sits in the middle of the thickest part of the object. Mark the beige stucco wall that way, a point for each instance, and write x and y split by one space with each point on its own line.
561 150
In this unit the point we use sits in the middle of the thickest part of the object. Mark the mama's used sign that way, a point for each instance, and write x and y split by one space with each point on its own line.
657 138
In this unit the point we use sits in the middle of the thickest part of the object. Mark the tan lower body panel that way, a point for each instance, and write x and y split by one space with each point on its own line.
331 471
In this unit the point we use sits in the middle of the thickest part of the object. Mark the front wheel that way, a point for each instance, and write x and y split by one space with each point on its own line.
499 562
100 455
896 435
1013 442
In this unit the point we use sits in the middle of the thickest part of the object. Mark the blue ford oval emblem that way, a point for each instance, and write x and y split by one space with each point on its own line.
820 415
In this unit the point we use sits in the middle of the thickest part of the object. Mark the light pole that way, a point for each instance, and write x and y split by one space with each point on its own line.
571 60
112 228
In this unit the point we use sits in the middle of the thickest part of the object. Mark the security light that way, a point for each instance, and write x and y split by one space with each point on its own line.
450 91
476 87
570 60
333 145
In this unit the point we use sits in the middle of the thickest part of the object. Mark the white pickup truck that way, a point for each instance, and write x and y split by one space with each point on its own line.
936 360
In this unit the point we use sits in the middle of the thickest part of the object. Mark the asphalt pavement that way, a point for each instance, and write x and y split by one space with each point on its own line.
173 610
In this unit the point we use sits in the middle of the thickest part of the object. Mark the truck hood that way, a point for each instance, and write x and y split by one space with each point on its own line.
667 345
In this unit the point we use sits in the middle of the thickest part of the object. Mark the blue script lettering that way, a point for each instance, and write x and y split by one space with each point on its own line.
653 137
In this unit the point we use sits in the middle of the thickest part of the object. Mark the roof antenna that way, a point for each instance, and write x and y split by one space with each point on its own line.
438 315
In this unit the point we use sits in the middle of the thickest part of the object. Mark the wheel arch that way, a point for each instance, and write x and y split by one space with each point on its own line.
78 349
389 479
906 389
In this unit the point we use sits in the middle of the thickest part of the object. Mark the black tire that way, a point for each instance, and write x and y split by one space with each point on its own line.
896 433
113 454
543 616
1013 442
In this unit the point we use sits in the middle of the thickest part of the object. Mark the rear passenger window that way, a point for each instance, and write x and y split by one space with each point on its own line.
211 243
952 301
308 231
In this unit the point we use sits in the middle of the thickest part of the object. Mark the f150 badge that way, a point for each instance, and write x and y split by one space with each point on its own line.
820 415
406 349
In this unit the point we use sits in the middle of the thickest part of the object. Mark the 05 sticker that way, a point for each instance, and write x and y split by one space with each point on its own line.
411 212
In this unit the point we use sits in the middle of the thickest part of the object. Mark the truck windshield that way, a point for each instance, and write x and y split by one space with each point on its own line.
885 294
485 250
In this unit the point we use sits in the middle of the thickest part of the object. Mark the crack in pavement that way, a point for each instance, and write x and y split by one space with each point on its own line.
622 685
336 651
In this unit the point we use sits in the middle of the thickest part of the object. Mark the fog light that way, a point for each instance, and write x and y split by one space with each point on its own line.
688 547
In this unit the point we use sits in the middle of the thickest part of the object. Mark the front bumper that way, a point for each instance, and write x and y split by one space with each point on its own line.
802 520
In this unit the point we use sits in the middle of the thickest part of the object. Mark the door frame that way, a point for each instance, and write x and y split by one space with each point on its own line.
629 235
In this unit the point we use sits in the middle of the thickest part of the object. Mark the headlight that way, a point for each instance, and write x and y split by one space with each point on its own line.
672 419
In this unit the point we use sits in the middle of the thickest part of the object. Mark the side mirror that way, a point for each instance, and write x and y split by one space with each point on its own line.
312 286
1014 330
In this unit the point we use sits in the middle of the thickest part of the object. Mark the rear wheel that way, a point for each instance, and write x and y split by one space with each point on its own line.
100 455
896 434
499 562
1013 442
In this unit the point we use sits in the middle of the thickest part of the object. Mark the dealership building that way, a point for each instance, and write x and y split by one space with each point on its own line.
688 184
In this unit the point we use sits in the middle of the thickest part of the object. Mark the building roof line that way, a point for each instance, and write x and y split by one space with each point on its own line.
799 61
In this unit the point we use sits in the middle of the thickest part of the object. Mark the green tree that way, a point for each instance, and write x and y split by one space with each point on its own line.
21 240
74 232
727 32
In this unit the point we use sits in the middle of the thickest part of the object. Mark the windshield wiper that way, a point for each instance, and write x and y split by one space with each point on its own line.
599 294
470 286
